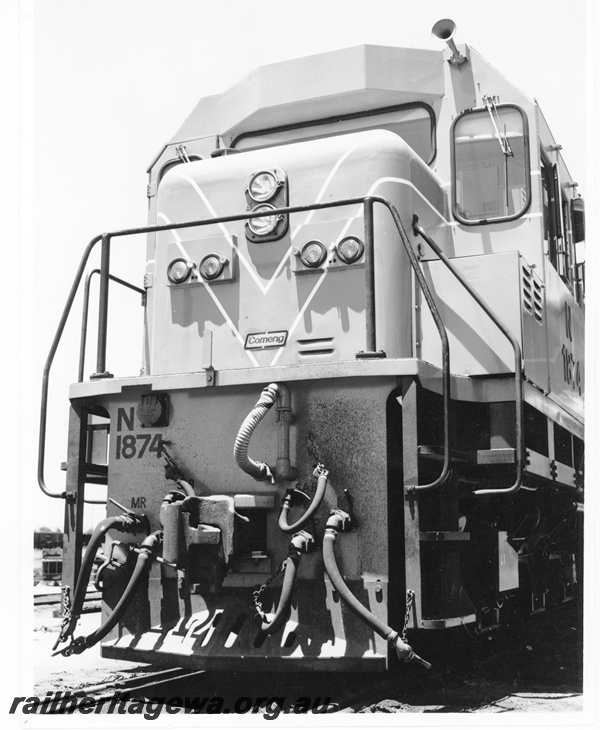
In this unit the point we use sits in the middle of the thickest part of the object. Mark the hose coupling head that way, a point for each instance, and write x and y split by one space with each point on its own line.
302 542
132 523
404 651
268 396
77 646
153 542
265 474
320 471
339 521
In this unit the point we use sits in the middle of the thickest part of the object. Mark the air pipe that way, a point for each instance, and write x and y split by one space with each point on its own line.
257 469
322 474
145 553
300 543
338 522
123 523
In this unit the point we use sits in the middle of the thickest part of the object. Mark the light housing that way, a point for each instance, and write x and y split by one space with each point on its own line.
263 225
263 186
212 266
350 249
179 270
313 254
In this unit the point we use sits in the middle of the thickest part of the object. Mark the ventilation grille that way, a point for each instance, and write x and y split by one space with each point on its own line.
533 300
316 346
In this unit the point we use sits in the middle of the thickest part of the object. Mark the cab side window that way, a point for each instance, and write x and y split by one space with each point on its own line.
561 227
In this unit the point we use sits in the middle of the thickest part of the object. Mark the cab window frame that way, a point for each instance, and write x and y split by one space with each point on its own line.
526 173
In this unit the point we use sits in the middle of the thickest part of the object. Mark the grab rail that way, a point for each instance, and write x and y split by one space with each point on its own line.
84 315
519 433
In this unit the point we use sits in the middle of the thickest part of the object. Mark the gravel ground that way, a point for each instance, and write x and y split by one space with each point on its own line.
536 667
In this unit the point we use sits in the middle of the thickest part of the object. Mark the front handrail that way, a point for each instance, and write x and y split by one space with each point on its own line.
519 432
365 201
84 314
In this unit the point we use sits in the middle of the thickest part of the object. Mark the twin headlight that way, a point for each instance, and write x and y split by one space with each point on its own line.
314 254
266 191
210 268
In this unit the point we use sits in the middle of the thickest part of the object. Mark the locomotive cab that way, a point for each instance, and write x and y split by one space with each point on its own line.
360 411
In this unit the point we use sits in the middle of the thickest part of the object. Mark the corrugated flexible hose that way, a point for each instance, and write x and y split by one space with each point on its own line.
259 470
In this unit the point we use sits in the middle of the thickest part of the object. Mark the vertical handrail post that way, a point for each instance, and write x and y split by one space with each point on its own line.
101 371
371 343
370 317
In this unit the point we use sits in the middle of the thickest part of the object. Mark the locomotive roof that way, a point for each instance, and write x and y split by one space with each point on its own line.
337 82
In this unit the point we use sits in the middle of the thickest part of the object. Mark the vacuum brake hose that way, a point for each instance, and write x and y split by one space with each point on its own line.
322 474
337 522
146 550
300 543
256 469
123 523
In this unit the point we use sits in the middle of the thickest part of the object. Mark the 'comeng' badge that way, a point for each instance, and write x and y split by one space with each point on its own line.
264 340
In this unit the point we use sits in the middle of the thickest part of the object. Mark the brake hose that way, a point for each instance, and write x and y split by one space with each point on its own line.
145 553
300 543
340 522
124 523
322 474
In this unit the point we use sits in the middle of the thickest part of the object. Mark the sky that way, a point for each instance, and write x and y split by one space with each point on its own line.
99 87
105 85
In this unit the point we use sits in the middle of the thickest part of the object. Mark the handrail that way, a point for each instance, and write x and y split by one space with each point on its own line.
84 315
519 435
445 473
366 201
48 365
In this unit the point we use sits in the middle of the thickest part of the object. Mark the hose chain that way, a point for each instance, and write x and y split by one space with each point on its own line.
66 615
410 599
259 591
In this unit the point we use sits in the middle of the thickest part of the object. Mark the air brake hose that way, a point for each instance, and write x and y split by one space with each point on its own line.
123 523
300 543
339 522
259 470
322 474
146 551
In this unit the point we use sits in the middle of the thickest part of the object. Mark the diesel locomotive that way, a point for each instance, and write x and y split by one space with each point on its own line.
359 417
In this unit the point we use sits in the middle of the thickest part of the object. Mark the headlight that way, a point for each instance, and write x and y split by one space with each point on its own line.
263 225
211 266
179 271
262 186
350 249
313 254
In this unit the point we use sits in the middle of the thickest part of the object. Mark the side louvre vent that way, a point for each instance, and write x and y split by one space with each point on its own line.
533 300
316 346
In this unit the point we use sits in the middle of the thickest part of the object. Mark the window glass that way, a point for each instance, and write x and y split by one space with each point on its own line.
413 123
491 171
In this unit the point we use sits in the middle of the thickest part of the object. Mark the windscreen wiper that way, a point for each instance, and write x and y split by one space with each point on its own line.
490 103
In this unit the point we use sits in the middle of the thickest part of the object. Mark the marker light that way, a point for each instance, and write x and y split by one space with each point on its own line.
262 186
211 266
350 249
179 271
313 254
263 225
